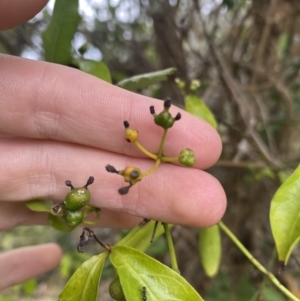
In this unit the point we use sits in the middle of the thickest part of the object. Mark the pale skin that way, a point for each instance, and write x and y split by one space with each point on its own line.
58 123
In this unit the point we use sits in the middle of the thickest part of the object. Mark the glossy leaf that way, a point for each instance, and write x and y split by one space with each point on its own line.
95 68
58 36
138 270
39 205
197 107
210 249
284 216
143 81
84 284
140 236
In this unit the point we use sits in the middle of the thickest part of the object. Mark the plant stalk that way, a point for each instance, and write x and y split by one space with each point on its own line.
257 264
171 248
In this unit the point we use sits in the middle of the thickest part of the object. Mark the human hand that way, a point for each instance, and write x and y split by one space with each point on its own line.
57 123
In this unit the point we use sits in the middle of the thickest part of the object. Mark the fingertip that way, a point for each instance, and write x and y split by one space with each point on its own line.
16 12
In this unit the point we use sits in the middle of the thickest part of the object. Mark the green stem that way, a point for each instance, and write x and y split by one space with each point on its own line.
143 150
162 143
257 264
152 169
171 248
169 159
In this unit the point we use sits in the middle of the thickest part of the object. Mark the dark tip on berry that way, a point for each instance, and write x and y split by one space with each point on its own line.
167 103
110 168
89 182
56 208
128 140
69 184
134 174
124 190
126 124
177 117
152 110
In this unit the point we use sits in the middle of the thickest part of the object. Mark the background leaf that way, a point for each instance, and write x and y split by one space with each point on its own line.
40 205
284 216
137 270
95 68
210 249
58 36
143 81
84 284
197 107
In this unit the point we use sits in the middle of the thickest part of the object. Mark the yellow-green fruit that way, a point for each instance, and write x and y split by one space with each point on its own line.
187 157
132 174
164 119
77 198
73 218
131 135
116 291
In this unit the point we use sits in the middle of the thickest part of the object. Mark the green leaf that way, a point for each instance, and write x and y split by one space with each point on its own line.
95 68
58 36
138 271
143 81
39 205
285 217
210 249
197 107
84 284
140 236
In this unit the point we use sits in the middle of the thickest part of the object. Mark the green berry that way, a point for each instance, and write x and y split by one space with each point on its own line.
116 291
73 218
187 157
164 119
77 198
59 223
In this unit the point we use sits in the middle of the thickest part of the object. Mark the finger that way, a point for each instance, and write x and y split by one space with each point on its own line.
38 169
22 264
15 12
60 103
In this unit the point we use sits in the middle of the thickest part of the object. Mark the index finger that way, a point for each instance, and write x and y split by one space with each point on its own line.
48 101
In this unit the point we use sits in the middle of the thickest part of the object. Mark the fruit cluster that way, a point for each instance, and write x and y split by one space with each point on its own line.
164 119
68 214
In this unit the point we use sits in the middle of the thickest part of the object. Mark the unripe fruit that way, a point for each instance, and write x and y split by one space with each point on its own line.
187 157
73 218
59 223
116 291
132 174
77 198
164 119
131 135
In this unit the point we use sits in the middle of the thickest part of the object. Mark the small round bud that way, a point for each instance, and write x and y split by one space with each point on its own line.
186 157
